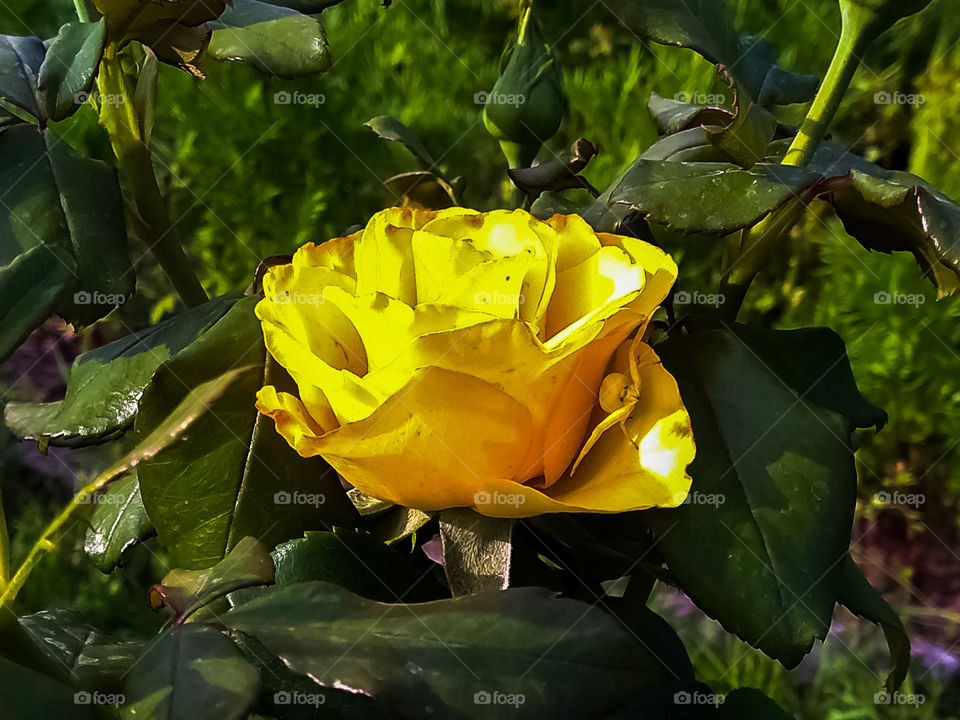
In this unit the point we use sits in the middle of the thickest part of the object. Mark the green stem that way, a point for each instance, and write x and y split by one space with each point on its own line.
86 12
4 549
843 66
48 541
118 116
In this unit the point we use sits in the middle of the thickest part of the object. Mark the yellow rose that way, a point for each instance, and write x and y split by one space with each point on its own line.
485 360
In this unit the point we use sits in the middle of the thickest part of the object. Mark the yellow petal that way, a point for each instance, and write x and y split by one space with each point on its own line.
336 254
301 429
418 450
578 241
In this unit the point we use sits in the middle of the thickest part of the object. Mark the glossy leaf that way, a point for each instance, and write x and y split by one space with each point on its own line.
706 27
759 543
705 197
31 286
118 523
186 591
105 384
94 661
356 562
29 695
237 476
69 68
274 39
389 128
673 116
444 658
191 669
54 197
20 61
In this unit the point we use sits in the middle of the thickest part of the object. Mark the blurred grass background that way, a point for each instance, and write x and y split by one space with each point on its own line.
249 178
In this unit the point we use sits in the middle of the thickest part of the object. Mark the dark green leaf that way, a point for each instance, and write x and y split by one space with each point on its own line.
476 551
746 138
70 67
118 523
704 197
30 288
186 591
748 704
96 662
356 562
705 26
859 597
20 61
192 669
29 695
54 197
237 476
673 116
761 539
444 659
390 128
274 39
105 384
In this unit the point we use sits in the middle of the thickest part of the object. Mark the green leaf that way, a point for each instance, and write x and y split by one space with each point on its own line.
30 288
54 197
747 136
105 384
442 659
748 704
859 597
237 476
29 695
118 523
191 669
70 67
389 128
95 661
186 591
20 61
356 562
703 197
476 551
673 116
274 39
705 26
760 541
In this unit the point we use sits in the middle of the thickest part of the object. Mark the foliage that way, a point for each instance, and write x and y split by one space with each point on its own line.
276 601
